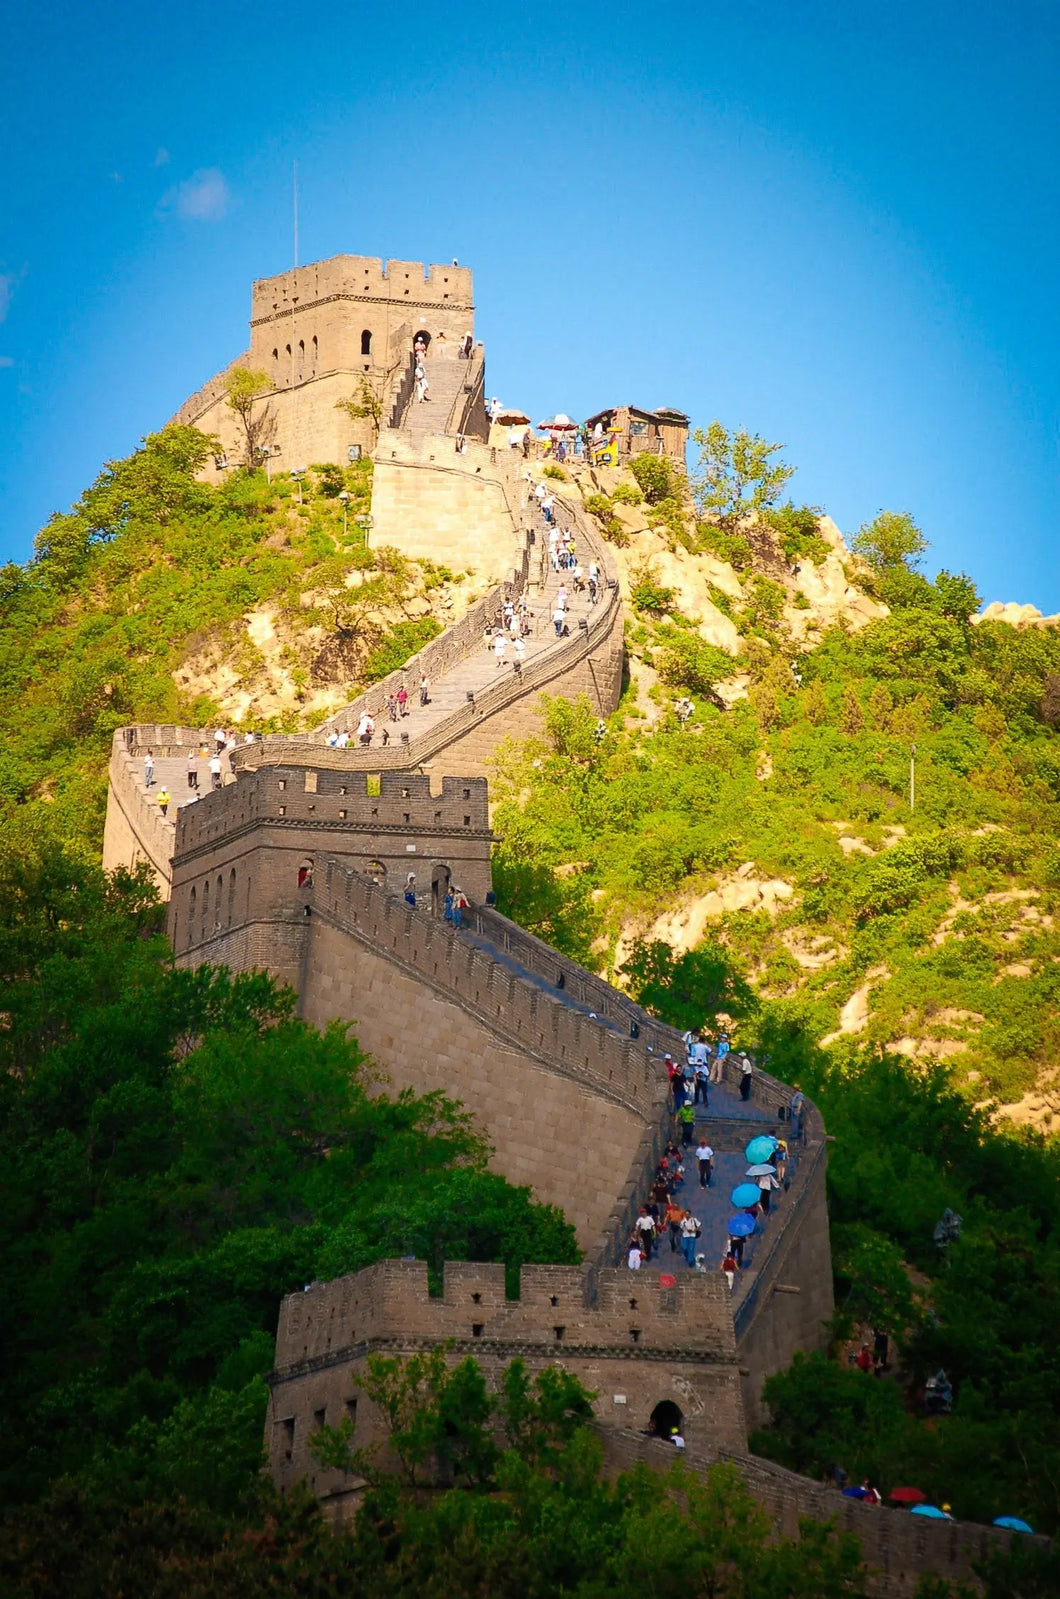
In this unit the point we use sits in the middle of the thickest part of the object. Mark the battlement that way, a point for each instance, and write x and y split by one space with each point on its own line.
362 277
338 799
560 1309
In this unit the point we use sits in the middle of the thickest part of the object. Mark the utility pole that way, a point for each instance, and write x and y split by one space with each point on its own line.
295 186
912 777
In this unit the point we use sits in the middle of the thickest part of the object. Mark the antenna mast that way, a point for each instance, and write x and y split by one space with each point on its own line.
296 216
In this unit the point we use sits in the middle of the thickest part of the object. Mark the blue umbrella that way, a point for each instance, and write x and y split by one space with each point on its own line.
1013 1523
761 1148
855 1493
930 1510
746 1195
741 1226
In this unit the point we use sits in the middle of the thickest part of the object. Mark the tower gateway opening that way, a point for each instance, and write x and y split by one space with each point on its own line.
666 1418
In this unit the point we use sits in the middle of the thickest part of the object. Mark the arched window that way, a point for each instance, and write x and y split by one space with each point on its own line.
205 906
191 917
290 363
376 870
217 903
275 368
231 895
301 359
366 342
316 354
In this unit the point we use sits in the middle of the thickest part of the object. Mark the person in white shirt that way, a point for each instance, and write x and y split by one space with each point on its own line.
705 1157
500 644
633 1259
559 618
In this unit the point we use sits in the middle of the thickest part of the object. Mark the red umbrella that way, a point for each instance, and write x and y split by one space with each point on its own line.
907 1496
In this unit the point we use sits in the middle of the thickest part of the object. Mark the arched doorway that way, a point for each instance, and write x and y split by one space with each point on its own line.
665 1419
376 870
441 879
421 342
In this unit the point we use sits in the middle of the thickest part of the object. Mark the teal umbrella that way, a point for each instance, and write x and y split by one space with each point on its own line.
1013 1523
746 1195
930 1510
760 1149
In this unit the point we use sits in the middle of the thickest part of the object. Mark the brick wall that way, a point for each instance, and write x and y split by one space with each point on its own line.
629 1341
898 1547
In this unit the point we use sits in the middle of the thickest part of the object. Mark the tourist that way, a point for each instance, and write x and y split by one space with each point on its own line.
332 739
634 1259
365 729
461 903
215 771
561 597
500 644
410 890
686 1116
766 1183
645 1230
193 771
392 706
447 905
676 1439
795 1113
466 345
780 1161
403 700
690 1231
729 1267
702 1076
425 698
520 651
674 1217
163 800
735 1249
864 1359
705 1157
746 1073
559 620
149 769
220 739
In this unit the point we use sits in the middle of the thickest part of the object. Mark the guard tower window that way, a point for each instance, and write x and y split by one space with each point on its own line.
366 342
316 354
191 916
231 895
301 359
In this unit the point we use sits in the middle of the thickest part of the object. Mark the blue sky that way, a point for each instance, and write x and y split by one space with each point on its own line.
836 225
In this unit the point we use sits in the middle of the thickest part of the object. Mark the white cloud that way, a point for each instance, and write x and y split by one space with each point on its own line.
204 197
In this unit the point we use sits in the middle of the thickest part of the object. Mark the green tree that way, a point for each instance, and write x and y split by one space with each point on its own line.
735 474
243 391
687 990
891 540
657 477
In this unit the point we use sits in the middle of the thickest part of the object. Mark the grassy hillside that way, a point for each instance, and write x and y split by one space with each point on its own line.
781 828
141 604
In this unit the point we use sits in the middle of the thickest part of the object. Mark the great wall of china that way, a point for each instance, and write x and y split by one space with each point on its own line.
297 864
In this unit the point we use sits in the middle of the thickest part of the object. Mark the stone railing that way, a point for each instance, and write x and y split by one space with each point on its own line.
401 393
561 1039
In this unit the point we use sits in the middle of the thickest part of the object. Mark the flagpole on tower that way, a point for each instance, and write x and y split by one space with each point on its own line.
296 216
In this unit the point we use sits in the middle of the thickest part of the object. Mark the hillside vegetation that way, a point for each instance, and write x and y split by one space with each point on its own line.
158 598
778 822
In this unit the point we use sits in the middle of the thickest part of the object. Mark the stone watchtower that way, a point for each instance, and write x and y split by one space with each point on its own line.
657 1353
318 333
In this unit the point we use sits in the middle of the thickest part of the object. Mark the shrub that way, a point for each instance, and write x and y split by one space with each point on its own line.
727 546
600 506
626 494
551 470
689 662
657 477
796 527
647 593
401 644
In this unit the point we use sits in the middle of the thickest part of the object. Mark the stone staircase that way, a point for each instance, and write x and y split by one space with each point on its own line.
446 375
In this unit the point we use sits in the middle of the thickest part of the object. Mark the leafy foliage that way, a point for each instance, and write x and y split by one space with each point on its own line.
736 474
180 1152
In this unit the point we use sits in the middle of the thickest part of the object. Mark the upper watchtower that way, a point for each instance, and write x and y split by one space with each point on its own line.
353 312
